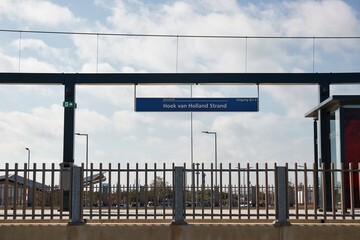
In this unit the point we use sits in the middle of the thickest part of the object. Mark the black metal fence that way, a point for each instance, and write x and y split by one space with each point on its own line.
148 192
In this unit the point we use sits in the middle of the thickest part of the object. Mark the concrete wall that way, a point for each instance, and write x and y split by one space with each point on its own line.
209 230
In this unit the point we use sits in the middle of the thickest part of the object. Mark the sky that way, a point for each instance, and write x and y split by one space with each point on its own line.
31 116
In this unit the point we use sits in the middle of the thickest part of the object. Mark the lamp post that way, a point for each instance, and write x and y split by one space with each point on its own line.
28 176
245 183
28 150
197 184
86 160
245 169
214 133
87 150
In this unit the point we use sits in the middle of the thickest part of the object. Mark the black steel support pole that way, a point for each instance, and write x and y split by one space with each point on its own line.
316 141
69 122
325 151
68 147
316 160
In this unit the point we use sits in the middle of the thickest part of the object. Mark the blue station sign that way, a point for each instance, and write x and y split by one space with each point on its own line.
196 105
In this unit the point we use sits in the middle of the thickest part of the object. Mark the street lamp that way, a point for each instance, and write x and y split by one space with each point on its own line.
208 132
245 183
87 150
28 176
197 184
244 169
28 149
86 161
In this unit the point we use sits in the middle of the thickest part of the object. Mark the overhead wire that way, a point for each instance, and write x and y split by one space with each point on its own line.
177 35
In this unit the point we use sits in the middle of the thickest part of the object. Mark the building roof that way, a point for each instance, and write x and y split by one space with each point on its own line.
96 178
21 181
334 103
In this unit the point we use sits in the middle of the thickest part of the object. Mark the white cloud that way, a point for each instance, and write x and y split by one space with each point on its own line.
219 55
127 121
39 122
320 18
93 67
210 18
37 56
91 121
8 63
40 129
39 47
34 65
40 12
114 96
297 100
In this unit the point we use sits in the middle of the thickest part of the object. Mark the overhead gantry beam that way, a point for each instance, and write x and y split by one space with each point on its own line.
180 78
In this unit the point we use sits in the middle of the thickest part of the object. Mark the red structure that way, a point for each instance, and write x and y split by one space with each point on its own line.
352 148
343 142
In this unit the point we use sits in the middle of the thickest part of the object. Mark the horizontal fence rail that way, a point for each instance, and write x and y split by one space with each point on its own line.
147 192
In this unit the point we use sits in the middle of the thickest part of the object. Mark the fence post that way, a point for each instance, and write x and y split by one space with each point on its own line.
76 199
179 197
282 205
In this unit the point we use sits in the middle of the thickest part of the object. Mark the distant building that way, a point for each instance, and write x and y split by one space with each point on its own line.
17 186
